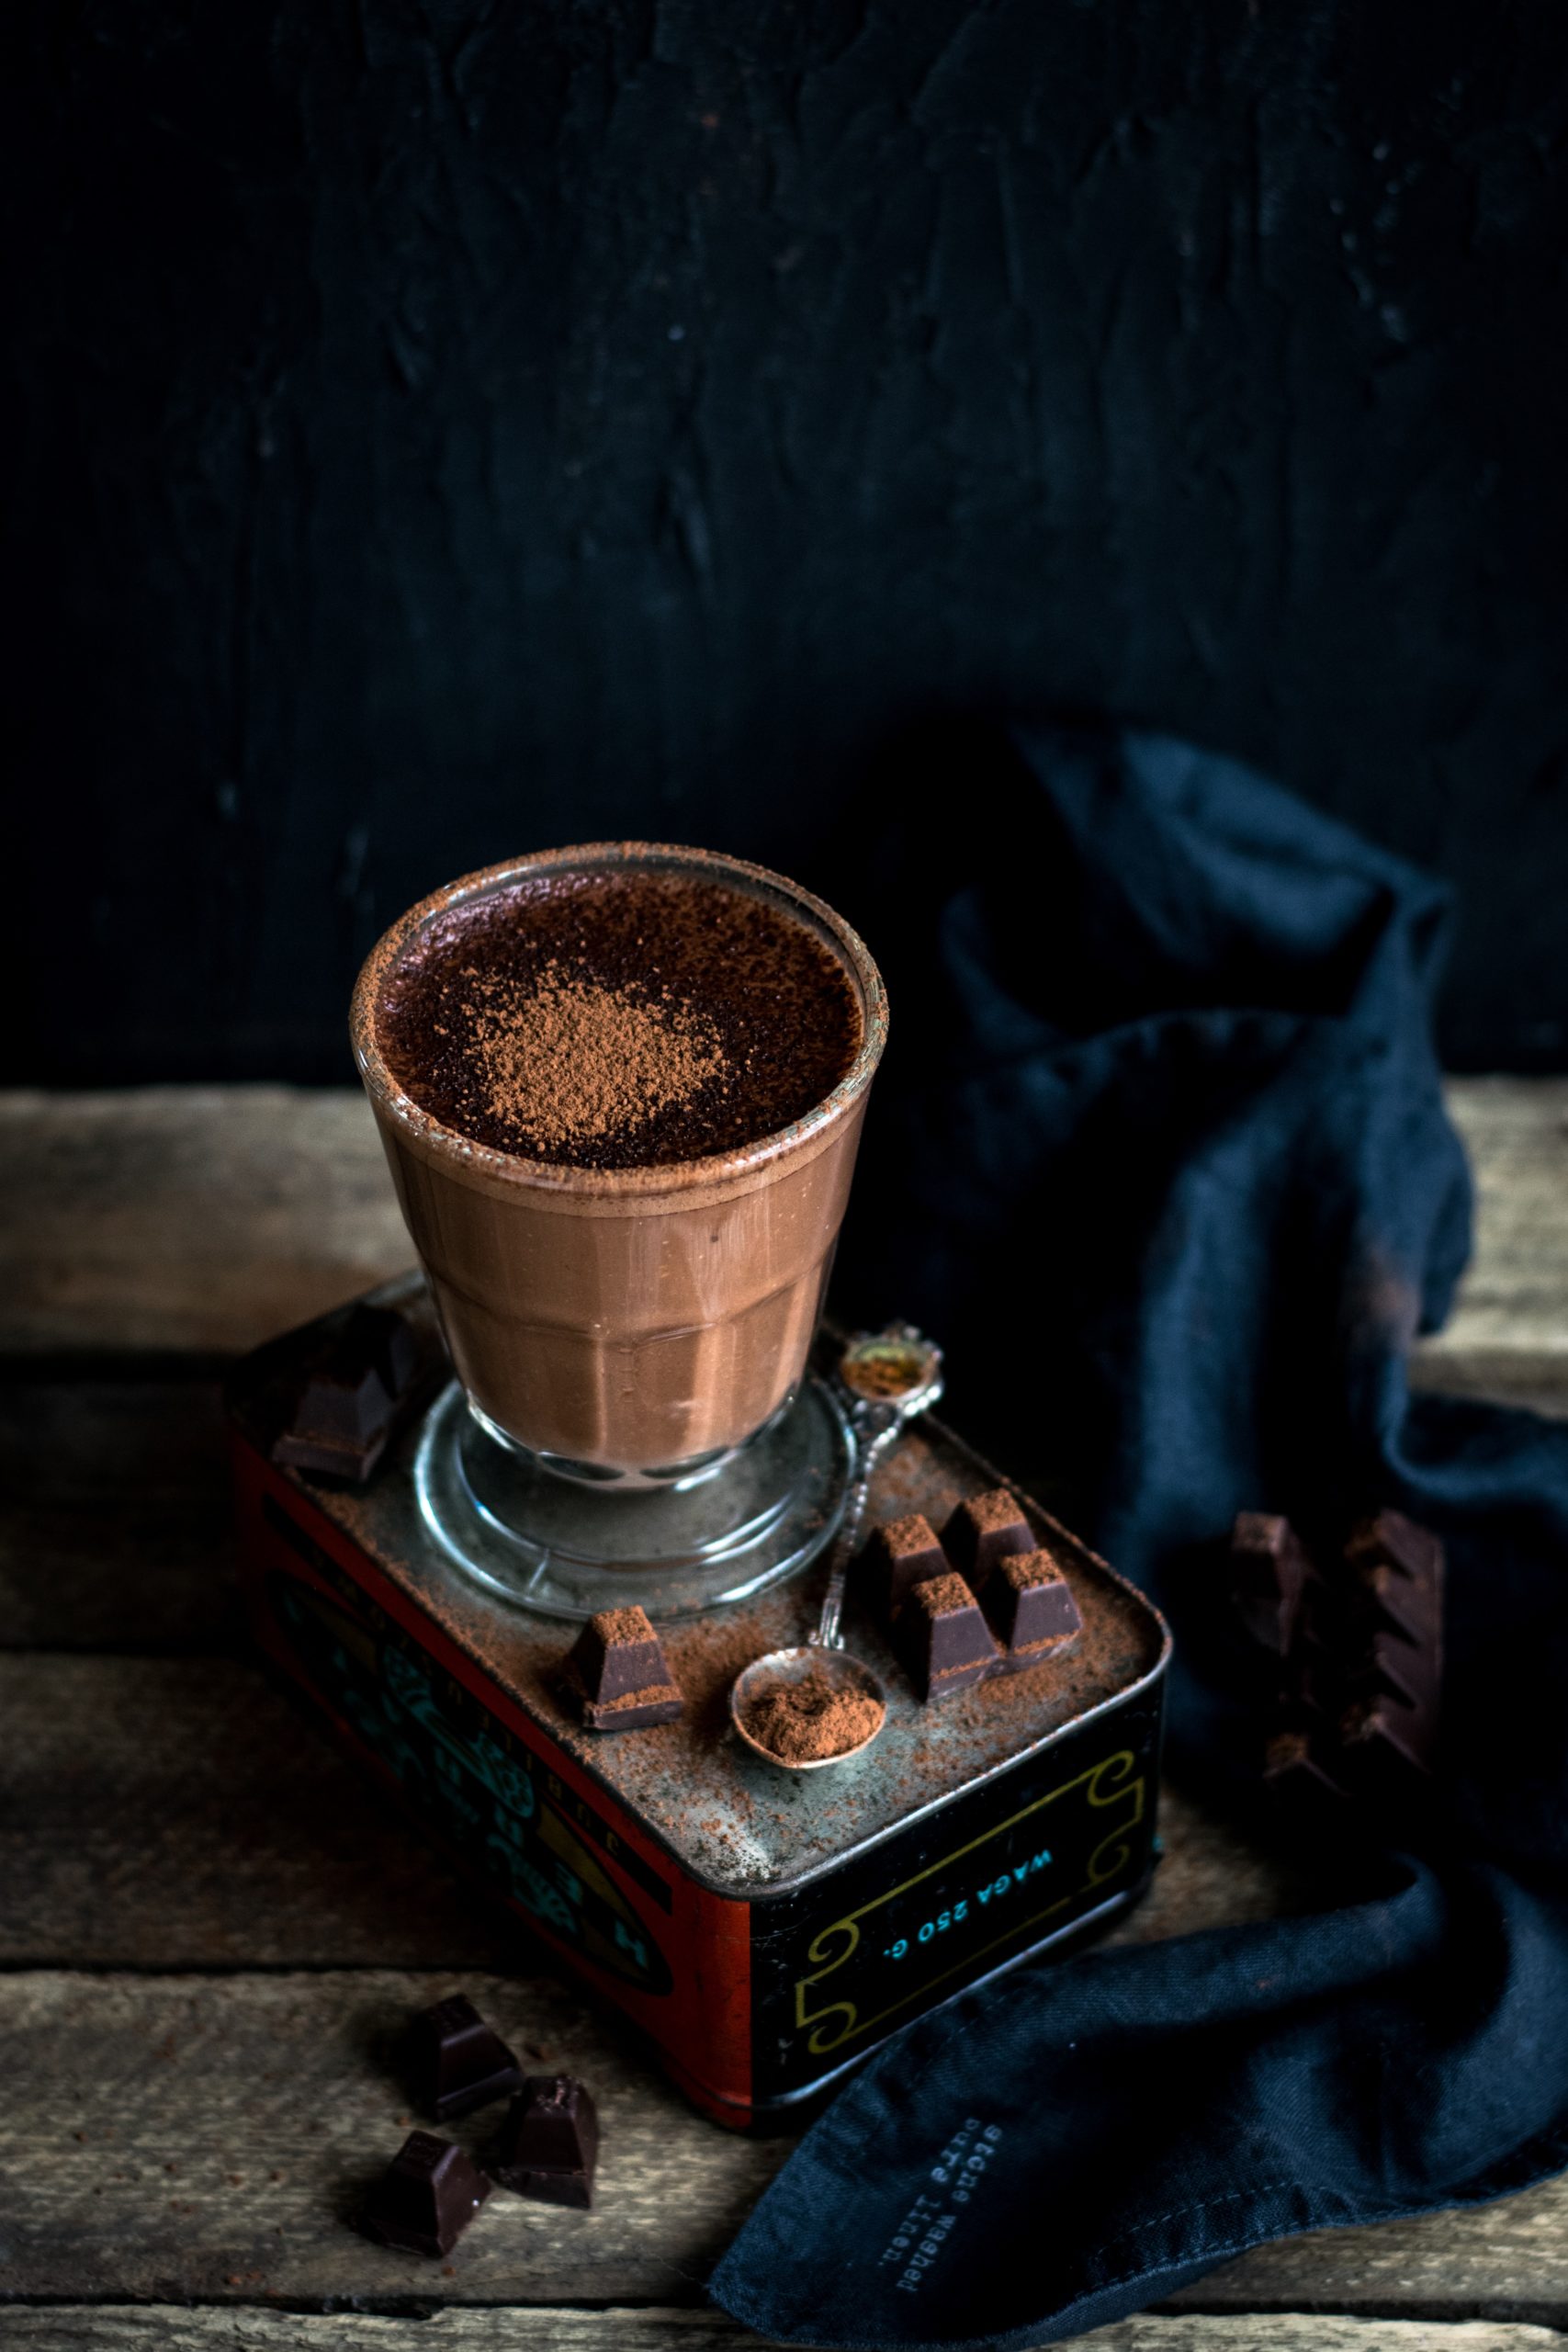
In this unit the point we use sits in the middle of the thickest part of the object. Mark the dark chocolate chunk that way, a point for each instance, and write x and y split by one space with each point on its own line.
1270 1570
982 1530
462 2062
661 1704
900 1556
1030 1608
1399 1568
1390 1540
1354 1647
945 1642
354 1397
1293 1770
426 2198
550 2142
1388 1731
617 1668
617 1652
1384 1744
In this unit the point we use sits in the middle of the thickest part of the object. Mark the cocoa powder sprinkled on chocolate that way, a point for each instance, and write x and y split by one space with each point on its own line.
1023 1569
997 1508
809 1721
939 1595
631 1624
618 1017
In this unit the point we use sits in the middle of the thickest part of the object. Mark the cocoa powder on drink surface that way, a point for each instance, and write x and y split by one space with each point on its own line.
618 1018
569 1062
809 1721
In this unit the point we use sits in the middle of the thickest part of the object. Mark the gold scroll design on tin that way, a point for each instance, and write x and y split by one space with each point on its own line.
1111 1782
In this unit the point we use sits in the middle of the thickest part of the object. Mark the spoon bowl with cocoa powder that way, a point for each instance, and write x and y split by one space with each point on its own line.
803 1708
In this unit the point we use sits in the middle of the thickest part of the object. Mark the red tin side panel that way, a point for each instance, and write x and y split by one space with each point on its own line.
498 1791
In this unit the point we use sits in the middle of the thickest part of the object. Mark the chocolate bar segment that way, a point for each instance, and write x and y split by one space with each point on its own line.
944 1640
618 1669
1399 1571
425 2199
982 1530
354 1398
462 2062
900 1556
1355 1648
551 2144
618 1652
1030 1608
1270 1570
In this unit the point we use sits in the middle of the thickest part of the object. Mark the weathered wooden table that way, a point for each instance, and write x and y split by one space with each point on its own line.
213 1928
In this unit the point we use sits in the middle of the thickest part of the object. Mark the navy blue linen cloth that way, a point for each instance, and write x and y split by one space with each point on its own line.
1163 1123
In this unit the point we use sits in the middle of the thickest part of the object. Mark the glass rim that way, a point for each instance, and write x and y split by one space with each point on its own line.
422 1129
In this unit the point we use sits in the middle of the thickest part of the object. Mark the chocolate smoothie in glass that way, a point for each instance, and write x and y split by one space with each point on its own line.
620 1088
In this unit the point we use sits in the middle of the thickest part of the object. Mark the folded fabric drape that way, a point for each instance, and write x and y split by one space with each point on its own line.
1163 1102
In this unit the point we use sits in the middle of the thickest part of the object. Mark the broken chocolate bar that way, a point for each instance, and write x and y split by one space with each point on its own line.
354 1398
1270 1570
900 1556
1355 1647
462 2062
945 1642
426 2198
1388 1731
1028 1606
982 1530
550 2142
619 1670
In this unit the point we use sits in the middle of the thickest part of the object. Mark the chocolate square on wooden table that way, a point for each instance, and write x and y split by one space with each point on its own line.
425 2199
462 2062
944 1640
618 1668
982 1530
1028 1606
550 2142
899 1554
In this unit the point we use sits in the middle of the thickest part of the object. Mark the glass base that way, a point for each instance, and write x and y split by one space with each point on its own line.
566 1549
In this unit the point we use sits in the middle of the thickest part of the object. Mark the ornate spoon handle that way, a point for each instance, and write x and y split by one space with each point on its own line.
889 1376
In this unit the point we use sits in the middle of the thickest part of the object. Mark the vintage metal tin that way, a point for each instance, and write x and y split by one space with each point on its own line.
765 1929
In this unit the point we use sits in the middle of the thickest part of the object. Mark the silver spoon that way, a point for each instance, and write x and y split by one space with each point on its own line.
887 1378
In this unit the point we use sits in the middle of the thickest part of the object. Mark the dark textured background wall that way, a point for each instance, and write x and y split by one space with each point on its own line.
445 429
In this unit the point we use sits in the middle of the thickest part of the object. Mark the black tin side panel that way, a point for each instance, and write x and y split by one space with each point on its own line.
843 1962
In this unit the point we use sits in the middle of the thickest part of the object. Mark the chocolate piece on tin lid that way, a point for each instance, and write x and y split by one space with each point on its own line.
618 1652
550 2142
619 1670
945 1642
982 1530
462 2062
661 1704
1028 1606
354 1397
900 1554
425 2199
